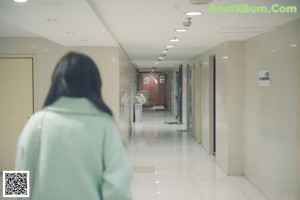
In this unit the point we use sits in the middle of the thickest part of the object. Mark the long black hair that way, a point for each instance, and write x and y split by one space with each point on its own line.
76 75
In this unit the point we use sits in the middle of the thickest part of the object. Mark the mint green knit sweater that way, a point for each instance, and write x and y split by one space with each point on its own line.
81 155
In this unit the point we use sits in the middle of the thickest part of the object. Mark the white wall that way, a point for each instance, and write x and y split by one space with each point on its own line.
229 100
270 123
184 94
235 108
258 131
174 91
125 94
197 91
170 87
205 71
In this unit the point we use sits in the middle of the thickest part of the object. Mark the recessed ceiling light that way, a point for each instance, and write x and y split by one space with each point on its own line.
174 40
181 29
169 46
165 51
20 1
193 13
293 45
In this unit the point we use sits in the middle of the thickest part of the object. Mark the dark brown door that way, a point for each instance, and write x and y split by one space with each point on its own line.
155 85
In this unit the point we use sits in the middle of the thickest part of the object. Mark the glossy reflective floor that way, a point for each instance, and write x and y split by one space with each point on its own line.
170 165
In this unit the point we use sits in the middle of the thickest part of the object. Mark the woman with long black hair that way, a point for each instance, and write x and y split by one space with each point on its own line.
72 147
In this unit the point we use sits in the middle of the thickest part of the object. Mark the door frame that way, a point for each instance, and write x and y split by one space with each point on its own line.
212 105
178 79
34 74
189 98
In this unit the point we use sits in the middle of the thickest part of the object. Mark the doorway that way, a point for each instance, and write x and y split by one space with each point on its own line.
212 65
179 94
153 86
189 98
16 105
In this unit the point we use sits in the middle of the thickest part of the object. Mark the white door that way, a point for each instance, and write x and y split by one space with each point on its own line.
16 105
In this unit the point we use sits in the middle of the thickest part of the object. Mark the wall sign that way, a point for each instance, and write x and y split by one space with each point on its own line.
264 78
162 79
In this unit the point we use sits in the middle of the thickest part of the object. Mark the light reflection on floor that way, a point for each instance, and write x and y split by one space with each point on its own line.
170 165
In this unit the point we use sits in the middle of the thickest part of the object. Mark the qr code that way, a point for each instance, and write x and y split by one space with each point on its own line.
15 183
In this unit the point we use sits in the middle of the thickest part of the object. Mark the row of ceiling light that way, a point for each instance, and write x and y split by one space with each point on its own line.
186 24
20 1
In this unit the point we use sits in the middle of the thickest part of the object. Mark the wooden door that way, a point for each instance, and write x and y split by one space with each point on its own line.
155 85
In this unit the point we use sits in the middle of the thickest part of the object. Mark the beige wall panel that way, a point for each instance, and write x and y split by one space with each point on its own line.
270 113
16 105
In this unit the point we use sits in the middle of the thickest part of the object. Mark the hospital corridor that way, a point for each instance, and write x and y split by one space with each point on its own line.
169 164
204 96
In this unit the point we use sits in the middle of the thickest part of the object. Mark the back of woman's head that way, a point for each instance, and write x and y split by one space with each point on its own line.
76 75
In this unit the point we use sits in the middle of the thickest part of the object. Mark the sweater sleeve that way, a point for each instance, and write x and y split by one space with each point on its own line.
117 170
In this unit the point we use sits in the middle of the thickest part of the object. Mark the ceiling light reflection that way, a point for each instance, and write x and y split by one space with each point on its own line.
181 29
193 13
174 40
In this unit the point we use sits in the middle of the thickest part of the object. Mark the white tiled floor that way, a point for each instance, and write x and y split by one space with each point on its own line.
170 165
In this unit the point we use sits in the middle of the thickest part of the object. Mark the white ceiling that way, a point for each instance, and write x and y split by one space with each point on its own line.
141 27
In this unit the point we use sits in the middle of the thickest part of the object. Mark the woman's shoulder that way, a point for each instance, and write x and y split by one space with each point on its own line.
36 117
32 125
35 121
